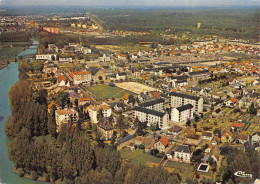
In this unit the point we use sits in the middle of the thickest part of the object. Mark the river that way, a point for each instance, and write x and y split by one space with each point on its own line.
8 76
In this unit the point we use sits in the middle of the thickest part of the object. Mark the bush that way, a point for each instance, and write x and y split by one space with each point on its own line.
34 175
141 146
46 177
20 172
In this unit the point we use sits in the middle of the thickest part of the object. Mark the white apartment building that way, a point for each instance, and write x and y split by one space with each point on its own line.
151 116
180 99
94 110
182 113
66 115
156 105
81 77
45 56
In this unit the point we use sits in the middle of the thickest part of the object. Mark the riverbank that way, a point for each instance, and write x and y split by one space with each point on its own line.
8 76
11 52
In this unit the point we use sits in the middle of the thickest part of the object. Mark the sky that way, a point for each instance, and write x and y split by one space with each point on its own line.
133 3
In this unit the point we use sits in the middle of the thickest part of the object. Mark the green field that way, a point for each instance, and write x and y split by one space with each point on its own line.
8 54
106 92
138 156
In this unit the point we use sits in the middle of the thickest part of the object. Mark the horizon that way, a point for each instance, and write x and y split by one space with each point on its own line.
131 3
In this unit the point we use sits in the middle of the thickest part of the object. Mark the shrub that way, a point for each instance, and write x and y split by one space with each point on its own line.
34 175
20 172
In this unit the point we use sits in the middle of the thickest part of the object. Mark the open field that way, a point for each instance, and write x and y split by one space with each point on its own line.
211 63
106 92
135 87
138 156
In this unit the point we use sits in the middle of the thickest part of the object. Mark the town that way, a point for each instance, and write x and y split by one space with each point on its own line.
173 106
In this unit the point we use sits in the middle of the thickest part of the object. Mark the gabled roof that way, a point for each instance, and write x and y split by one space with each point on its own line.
126 96
51 104
242 137
84 99
237 125
164 141
79 73
233 100
155 94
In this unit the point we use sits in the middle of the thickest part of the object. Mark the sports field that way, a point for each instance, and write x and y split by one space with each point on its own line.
106 92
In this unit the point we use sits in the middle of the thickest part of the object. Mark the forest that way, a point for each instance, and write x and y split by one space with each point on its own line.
15 37
230 22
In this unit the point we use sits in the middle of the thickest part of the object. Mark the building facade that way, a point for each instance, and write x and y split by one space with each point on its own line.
180 99
182 113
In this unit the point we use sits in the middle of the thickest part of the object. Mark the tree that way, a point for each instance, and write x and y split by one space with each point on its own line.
197 156
76 102
217 131
188 123
120 123
52 124
252 110
63 99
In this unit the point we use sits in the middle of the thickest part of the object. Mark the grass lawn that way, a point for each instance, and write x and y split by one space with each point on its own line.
138 156
184 169
106 92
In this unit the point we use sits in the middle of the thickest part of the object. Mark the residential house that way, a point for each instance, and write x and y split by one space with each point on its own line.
227 136
256 137
182 153
83 101
242 138
179 99
175 130
162 144
49 68
122 142
121 76
104 58
86 50
46 57
207 135
65 60
148 142
236 127
65 116
95 110
120 106
193 139
81 77
56 106
106 126
53 48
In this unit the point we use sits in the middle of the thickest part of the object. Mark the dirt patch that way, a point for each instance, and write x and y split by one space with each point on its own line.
135 87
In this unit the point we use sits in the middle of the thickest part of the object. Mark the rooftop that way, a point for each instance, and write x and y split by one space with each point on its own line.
148 111
184 96
184 107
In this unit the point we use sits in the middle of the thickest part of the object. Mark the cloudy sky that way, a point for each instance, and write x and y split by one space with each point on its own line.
132 2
